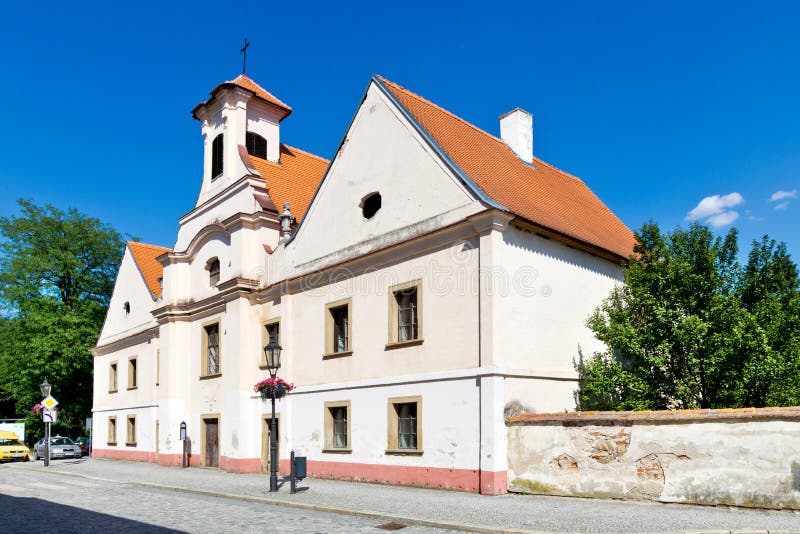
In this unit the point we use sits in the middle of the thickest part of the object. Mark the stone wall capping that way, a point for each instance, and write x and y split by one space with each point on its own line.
707 415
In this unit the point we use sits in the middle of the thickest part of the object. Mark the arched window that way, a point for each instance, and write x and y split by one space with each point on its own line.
256 145
216 156
213 271
127 308
370 205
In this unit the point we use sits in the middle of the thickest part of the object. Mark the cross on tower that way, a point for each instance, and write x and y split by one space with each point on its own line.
243 51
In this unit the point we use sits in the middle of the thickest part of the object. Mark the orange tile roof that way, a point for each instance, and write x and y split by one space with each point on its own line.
247 83
293 180
145 257
542 194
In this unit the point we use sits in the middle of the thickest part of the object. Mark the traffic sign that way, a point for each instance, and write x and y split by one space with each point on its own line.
50 402
49 415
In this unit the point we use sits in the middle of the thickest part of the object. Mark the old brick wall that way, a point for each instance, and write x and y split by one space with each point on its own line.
745 457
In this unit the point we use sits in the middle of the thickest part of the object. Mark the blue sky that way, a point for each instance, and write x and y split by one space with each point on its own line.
657 106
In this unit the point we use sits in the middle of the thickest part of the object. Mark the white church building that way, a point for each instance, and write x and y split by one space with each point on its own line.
436 277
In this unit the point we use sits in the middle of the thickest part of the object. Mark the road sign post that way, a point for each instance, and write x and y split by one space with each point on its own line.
48 416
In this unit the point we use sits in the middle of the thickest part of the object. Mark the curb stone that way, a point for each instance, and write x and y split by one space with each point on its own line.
367 514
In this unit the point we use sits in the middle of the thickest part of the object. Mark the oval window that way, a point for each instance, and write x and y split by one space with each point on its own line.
370 205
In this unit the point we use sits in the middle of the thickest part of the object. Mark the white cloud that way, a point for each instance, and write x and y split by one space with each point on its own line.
715 205
723 219
780 206
782 195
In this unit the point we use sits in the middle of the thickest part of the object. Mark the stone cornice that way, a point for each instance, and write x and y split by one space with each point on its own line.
253 221
229 290
396 252
255 183
145 336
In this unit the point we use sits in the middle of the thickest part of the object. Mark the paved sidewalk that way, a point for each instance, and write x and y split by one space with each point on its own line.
444 509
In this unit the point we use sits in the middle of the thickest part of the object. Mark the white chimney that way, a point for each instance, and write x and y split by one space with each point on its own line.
516 129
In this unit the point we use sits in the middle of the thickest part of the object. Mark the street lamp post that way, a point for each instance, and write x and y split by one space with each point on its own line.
45 388
273 353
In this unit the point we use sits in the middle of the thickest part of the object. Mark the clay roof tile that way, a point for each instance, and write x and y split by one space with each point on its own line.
540 193
145 257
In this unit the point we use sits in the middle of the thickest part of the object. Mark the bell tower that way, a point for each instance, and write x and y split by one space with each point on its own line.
240 116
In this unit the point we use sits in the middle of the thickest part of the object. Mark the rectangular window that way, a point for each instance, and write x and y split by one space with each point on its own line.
270 333
337 427
340 321
131 430
211 350
112 431
132 374
158 365
405 313
112 377
338 328
405 426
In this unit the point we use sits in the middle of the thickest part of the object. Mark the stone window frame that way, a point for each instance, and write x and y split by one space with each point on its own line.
329 446
394 316
130 431
111 438
133 372
329 328
275 321
204 374
113 377
392 446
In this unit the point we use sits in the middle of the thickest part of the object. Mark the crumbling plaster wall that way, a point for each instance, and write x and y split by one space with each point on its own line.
736 457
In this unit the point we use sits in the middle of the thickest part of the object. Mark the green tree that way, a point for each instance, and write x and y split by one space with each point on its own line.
57 272
691 328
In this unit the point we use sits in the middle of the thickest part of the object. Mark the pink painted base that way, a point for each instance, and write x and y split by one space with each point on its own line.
470 480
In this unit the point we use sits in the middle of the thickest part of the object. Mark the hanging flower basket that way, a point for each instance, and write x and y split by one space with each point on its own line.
267 386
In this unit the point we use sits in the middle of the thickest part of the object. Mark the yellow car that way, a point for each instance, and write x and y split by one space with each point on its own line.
12 449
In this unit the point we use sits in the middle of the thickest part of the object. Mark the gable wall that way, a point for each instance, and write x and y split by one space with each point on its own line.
381 153
129 287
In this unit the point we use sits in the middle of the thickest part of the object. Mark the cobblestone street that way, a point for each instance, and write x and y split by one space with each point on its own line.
146 497
33 501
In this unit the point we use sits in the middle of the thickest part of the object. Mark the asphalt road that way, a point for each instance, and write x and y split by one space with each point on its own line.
32 501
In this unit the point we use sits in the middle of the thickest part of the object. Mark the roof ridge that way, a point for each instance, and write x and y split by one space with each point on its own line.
440 108
306 152
139 243
467 123
247 78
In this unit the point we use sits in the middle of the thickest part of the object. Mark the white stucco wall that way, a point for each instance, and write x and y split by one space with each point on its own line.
450 424
543 291
130 287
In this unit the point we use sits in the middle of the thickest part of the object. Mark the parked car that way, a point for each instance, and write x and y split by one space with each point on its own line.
60 447
85 444
12 449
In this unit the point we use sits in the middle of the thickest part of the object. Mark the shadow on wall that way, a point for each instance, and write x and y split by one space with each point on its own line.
45 516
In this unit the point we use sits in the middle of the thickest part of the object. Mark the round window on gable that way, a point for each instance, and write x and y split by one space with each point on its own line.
370 205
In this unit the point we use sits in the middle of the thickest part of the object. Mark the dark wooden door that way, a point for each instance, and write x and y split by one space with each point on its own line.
265 441
212 442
